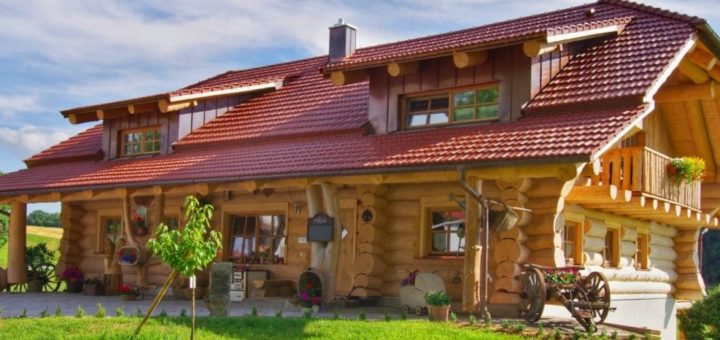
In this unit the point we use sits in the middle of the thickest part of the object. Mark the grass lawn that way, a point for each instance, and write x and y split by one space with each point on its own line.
35 235
236 328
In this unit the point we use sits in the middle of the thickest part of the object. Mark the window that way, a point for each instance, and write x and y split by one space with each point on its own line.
257 238
109 231
458 106
172 222
140 141
610 252
448 232
642 253
572 243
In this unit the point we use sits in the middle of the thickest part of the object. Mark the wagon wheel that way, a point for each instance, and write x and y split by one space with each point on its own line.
419 310
21 287
405 309
598 293
532 296
46 272
579 306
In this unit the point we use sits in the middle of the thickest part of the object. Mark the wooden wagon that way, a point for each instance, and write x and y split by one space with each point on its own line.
587 298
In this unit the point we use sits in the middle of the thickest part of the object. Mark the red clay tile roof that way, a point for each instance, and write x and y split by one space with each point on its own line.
117 103
620 67
511 31
307 103
86 144
576 136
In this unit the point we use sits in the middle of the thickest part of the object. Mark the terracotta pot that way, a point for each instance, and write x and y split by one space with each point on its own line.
439 313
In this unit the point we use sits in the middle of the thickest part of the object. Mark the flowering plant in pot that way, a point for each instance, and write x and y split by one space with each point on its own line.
686 169
73 278
566 276
93 287
438 303
129 292
139 224
309 298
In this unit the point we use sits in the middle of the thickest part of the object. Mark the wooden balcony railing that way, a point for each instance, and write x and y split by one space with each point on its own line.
644 171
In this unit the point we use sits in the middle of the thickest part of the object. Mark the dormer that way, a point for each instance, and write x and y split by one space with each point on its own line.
150 125
480 75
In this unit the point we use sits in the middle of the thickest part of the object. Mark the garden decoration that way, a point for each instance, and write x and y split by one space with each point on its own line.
41 275
309 296
414 288
587 298
186 251
438 305
129 292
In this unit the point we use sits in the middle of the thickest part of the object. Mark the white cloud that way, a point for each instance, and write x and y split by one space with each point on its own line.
29 140
12 104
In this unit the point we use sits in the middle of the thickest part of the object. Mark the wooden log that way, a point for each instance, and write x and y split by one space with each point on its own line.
595 228
513 234
629 287
689 281
627 248
545 224
661 240
332 248
547 257
463 59
507 269
685 247
544 241
509 250
521 184
508 285
473 245
662 230
368 233
662 264
17 238
662 253
626 261
692 71
683 259
702 58
687 236
594 244
504 298
379 218
400 69
371 248
628 234
340 78
691 295
365 292
514 195
546 187
398 257
271 283
592 259
369 264
545 205
314 202
403 209
368 281
370 199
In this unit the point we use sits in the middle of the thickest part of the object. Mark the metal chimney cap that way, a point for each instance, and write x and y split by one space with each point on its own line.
341 22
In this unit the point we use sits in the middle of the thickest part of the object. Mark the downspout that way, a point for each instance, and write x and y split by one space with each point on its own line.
703 231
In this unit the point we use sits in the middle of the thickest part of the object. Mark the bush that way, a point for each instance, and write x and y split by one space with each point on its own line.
79 312
702 320
100 311
437 298
38 254
119 311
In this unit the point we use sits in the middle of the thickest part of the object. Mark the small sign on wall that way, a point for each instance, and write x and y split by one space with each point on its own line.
320 228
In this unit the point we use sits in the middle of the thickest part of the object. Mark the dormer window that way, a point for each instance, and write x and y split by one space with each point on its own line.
451 107
141 141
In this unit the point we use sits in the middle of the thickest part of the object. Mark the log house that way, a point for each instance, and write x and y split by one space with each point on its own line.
576 122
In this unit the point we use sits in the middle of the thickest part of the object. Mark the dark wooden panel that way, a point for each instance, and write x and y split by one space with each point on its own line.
394 92
198 115
428 75
184 123
164 133
503 71
484 72
520 82
210 110
465 76
378 102
446 73
412 83
106 139
173 130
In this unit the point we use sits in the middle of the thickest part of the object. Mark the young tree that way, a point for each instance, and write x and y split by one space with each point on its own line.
186 251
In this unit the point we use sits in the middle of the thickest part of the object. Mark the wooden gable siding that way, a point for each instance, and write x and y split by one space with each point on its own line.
112 128
192 118
507 66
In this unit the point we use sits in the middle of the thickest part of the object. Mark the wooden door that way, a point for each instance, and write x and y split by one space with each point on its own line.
347 250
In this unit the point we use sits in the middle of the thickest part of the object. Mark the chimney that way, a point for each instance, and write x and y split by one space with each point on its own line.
342 41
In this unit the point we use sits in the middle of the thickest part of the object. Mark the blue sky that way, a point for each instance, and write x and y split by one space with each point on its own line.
56 55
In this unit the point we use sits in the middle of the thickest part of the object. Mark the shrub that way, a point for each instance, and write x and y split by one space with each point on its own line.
472 320
24 314
387 317
278 314
362 316
163 314
100 313
79 312
183 313
119 311
58 312
44 313
453 317
702 320
437 298
254 311
336 315
686 169
38 254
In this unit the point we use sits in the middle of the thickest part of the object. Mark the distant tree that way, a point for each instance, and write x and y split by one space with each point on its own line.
44 219
4 220
711 258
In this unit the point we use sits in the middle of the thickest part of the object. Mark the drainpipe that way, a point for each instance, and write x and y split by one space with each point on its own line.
703 231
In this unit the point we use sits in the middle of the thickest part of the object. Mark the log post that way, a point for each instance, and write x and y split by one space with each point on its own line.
314 202
127 220
471 276
332 249
17 272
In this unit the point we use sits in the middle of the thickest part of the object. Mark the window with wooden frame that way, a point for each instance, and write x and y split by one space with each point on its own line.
611 251
257 238
642 253
172 222
451 107
109 230
573 243
447 232
142 141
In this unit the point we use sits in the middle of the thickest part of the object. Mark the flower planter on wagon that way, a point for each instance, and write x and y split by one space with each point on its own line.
412 294
587 298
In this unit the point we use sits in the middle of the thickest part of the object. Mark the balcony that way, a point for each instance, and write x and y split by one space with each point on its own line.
634 182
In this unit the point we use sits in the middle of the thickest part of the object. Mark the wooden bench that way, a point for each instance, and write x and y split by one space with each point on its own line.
272 288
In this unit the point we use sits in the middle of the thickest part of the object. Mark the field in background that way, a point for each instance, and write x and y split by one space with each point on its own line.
35 235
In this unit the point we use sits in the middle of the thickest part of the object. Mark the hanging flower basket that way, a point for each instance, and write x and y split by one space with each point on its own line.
130 256
686 169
